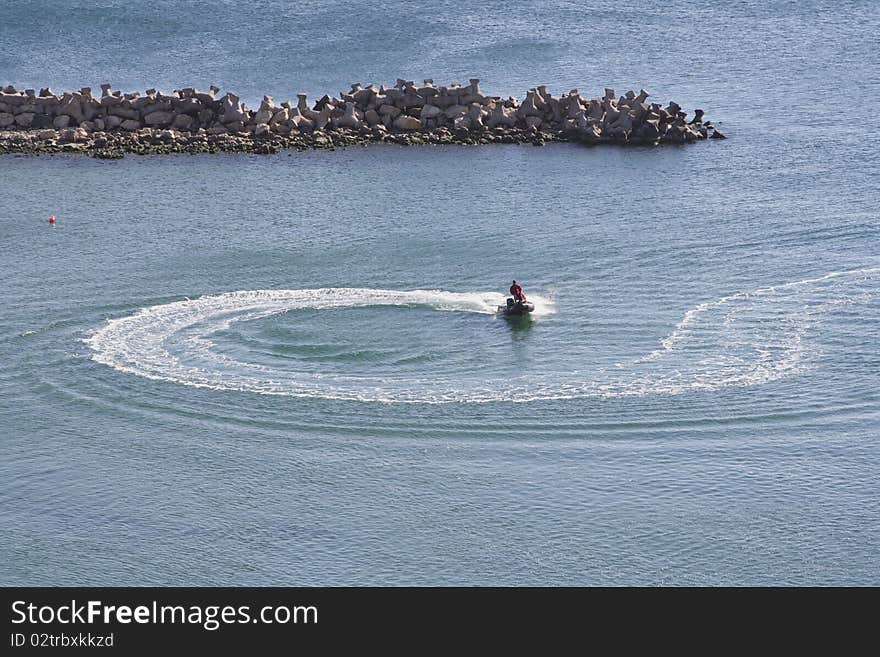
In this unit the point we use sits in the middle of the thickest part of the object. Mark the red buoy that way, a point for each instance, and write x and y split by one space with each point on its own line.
52 219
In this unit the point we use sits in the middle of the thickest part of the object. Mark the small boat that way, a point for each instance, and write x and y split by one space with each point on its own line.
514 308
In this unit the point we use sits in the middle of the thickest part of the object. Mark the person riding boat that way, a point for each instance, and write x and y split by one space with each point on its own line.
516 292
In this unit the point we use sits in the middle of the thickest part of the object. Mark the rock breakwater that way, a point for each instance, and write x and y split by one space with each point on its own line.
190 120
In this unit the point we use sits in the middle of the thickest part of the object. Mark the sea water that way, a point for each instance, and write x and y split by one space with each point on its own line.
289 369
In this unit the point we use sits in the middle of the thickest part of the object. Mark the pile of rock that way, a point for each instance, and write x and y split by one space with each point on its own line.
403 113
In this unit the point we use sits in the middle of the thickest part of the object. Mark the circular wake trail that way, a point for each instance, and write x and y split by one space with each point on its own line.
746 338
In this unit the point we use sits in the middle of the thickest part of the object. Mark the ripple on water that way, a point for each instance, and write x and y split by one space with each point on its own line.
747 338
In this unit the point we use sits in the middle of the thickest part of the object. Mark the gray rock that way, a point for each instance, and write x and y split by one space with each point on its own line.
304 109
282 116
301 123
232 110
530 106
73 135
390 110
40 121
124 112
131 125
163 106
372 118
61 122
349 119
455 111
408 123
501 116
24 119
429 112
182 122
475 114
188 106
159 119
323 118
14 99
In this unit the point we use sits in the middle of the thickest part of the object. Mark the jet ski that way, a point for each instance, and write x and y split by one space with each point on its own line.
514 308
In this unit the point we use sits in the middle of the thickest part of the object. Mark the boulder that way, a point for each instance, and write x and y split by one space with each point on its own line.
159 119
475 114
262 130
164 106
205 98
13 99
390 110
124 112
349 118
323 117
131 125
530 106
111 122
372 118
408 123
304 109
70 105
73 135
261 116
590 135
301 123
429 112
41 121
46 135
189 106
182 122
649 131
280 117
232 110
454 111
24 119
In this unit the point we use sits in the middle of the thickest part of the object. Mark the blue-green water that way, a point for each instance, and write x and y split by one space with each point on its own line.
286 369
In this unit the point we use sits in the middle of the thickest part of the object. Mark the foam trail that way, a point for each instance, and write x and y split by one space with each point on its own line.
747 338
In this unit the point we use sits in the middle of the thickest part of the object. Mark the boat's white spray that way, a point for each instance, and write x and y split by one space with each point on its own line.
747 338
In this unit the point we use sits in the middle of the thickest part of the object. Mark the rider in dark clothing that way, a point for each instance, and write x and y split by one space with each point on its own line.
516 292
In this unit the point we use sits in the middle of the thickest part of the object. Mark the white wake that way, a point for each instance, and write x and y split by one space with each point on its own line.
746 338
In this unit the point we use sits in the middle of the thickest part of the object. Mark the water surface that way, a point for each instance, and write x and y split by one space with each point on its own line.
286 369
